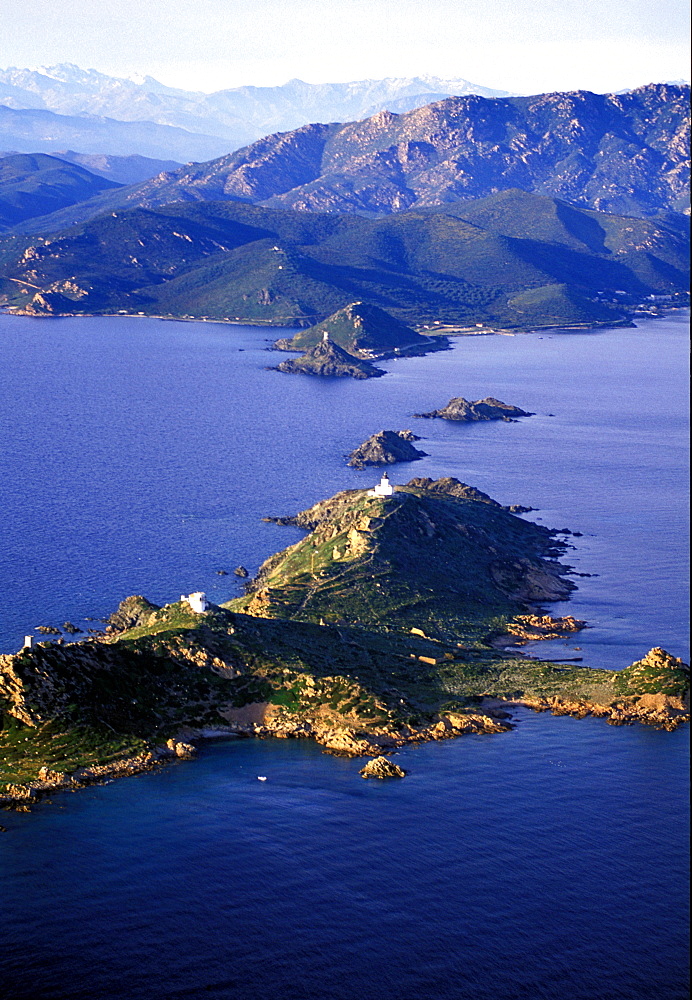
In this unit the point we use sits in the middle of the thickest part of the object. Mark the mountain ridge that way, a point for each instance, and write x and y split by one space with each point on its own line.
623 154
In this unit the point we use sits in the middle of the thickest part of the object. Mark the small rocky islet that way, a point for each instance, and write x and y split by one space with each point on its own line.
489 408
386 448
377 630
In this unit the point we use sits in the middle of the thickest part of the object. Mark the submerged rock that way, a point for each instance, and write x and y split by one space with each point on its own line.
489 408
386 448
327 358
381 767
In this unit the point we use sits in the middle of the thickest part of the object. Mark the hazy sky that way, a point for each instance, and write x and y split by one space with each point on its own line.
527 46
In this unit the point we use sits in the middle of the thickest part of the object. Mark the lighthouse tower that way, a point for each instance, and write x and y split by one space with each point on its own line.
384 488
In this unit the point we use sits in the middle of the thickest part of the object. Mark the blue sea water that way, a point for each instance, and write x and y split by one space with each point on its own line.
139 457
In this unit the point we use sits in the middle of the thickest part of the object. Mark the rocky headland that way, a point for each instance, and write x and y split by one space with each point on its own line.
386 448
489 408
374 631
328 359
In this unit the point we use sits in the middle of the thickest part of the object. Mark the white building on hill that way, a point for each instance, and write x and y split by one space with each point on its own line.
197 601
384 488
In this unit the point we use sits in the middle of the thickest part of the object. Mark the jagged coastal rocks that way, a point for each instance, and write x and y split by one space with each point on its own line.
375 631
328 359
386 448
489 408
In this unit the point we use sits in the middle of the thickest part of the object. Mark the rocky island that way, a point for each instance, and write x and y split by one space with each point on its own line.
377 629
386 448
365 331
328 359
489 408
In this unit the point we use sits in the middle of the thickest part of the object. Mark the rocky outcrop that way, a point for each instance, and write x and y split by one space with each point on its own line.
452 487
339 737
659 711
48 304
489 408
380 767
328 359
386 448
528 628
133 611
653 691
20 797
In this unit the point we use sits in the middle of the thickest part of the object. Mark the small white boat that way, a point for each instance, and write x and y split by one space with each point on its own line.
261 777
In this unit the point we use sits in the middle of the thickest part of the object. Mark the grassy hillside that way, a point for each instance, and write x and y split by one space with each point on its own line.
361 329
422 558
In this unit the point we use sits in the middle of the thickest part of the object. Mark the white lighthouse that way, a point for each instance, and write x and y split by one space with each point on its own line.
384 488
197 601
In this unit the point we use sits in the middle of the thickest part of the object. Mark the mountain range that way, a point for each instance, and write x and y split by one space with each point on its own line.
625 154
215 123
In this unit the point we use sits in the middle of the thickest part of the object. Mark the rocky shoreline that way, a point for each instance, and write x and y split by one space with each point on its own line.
327 359
374 632
262 721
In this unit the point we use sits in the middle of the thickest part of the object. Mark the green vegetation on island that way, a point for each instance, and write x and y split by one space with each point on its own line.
365 331
374 631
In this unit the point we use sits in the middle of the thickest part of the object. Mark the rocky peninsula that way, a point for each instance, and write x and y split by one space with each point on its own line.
376 630
489 408
365 331
386 448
